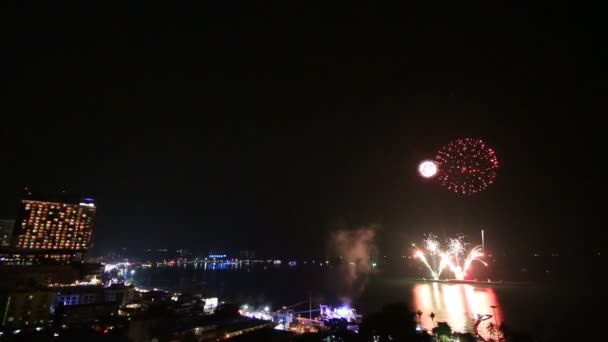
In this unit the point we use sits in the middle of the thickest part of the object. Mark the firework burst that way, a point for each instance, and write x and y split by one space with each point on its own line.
451 257
456 246
431 244
466 166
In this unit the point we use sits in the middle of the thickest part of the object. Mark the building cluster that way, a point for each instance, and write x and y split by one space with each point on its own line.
36 307
44 283
48 291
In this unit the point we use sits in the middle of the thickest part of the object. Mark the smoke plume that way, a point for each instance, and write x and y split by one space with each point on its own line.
355 247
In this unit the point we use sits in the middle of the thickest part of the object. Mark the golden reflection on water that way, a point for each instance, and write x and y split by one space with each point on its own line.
457 304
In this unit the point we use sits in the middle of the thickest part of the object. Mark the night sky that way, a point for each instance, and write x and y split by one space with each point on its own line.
265 126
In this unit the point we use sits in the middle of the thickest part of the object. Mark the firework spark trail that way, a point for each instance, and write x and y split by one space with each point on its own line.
473 255
456 248
445 261
432 245
449 258
422 258
433 248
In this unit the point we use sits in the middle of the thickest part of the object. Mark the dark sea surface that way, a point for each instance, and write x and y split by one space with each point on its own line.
550 309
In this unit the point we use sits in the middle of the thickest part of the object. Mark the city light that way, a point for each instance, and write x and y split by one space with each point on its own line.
55 225
217 256
343 312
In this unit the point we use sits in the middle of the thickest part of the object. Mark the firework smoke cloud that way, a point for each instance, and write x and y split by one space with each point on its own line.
356 247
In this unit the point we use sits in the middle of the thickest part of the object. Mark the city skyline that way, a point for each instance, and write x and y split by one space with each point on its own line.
261 171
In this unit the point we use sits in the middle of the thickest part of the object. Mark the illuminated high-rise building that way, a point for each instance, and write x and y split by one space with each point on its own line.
54 225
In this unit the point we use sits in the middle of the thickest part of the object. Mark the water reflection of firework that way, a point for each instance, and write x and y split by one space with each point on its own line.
450 257
458 304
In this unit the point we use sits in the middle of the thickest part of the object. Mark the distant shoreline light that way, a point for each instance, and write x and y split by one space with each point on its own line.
217 256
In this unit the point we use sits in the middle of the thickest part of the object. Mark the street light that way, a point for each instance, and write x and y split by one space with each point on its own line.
495 319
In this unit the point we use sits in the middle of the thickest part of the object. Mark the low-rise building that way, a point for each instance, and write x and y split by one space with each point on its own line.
24 307
6 232
66 296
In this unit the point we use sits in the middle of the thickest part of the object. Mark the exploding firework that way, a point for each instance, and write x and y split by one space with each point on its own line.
466 166
449 258
436 261
431 244
473 255
460 271
422 258
427 168
456 246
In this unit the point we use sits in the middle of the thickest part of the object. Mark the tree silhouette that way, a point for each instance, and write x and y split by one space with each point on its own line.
492 329
419 314
504 330
394 322
442 331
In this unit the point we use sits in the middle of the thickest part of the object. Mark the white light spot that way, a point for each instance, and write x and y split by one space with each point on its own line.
427 168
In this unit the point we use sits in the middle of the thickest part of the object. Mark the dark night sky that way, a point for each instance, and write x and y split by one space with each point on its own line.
261 126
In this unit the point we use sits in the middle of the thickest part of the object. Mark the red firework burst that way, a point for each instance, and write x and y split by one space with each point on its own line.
467 166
